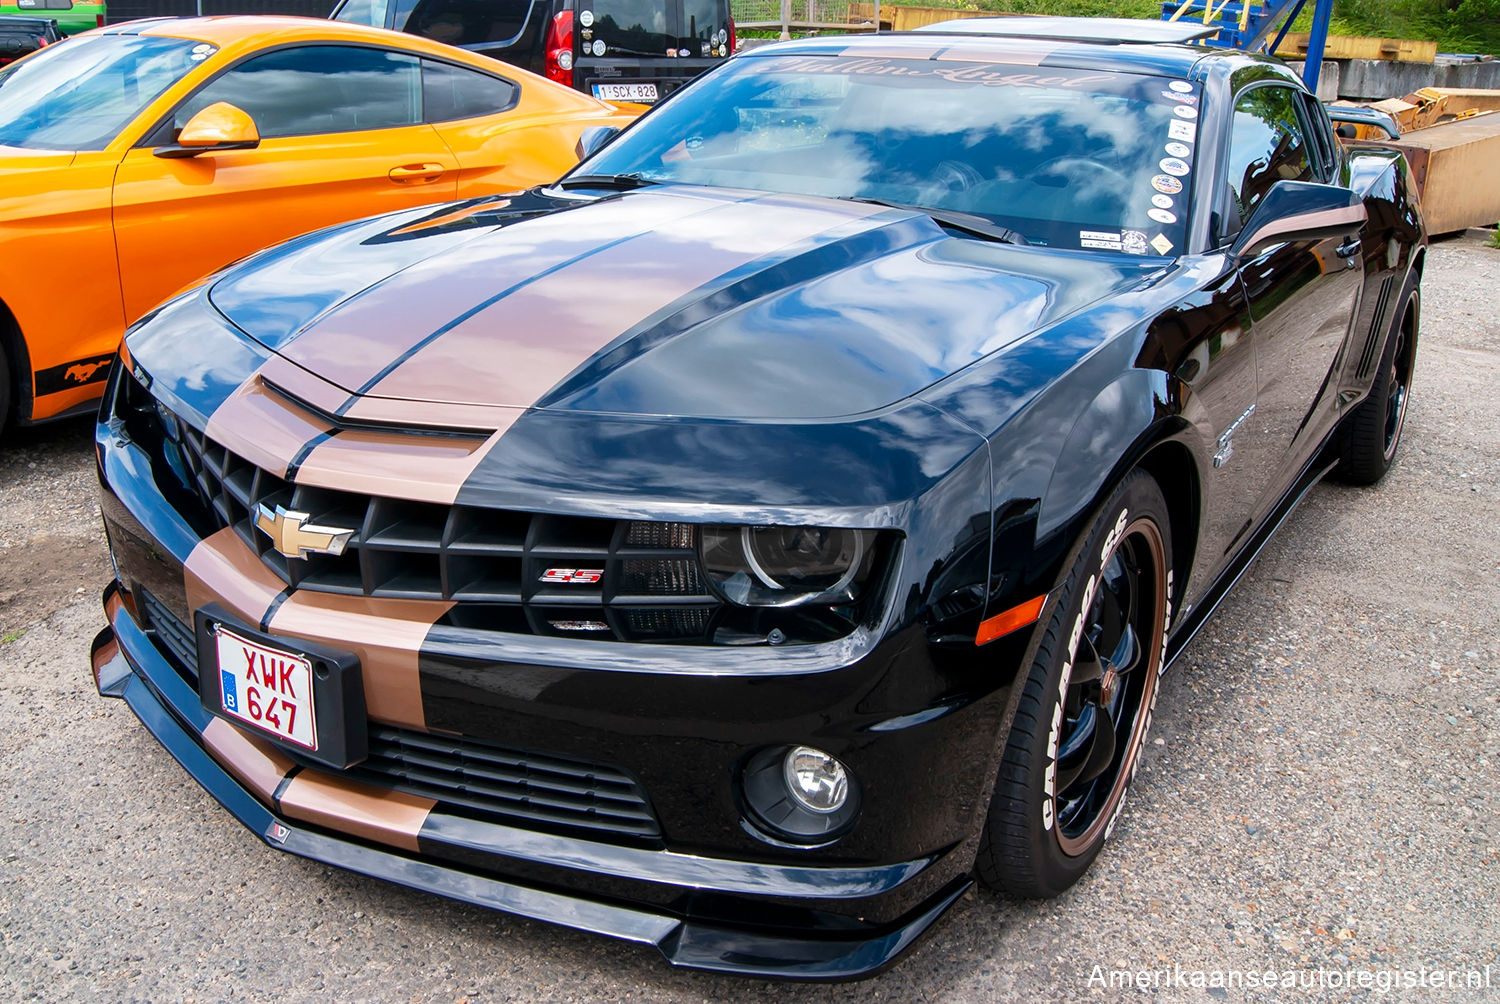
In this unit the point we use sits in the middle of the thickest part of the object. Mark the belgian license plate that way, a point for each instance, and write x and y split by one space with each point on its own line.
269 688
625 92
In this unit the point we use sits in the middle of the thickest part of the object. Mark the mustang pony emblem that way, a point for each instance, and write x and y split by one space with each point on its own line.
80 373
293 537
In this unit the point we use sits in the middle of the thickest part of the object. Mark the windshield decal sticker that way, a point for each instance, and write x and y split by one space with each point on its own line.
1178 150
1187 99
1133 242
1173 166
1161 244
1162 215
1181 86
1166 184
984 74
1106 240
1184 112
586 18
1185 131
1162 201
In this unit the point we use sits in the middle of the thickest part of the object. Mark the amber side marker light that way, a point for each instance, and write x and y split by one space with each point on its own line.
1011 620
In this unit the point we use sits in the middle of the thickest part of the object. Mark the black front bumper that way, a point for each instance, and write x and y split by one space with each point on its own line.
127 664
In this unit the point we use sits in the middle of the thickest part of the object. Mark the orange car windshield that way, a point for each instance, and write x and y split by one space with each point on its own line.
79 94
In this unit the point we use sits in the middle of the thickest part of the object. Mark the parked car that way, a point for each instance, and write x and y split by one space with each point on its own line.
746 542
72 16
145 156
616 50
21 36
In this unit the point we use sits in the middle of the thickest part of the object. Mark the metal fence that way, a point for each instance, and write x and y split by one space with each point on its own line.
769 12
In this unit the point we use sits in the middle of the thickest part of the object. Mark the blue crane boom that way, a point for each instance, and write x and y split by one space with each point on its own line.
1246 25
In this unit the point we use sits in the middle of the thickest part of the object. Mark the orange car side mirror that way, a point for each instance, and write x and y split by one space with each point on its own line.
220 126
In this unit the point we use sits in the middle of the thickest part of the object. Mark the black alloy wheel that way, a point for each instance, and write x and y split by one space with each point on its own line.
1399 382
1371 433
1111 689
1086 704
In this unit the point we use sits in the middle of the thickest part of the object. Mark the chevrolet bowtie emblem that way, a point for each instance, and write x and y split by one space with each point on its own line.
293 537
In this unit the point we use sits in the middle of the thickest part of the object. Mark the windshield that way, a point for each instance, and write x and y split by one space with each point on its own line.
79 94
1066 158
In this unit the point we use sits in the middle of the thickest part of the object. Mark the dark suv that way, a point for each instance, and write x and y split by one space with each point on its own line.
617 50
21 36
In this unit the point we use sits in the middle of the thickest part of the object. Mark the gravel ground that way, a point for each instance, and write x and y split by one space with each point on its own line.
1319 791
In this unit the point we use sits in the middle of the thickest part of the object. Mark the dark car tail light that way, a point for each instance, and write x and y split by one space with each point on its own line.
734 42
98 20
559 48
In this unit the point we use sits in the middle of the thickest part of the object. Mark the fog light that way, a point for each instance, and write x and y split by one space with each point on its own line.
798 795
816 780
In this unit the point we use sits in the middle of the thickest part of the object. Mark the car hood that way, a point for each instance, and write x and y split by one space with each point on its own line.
675 300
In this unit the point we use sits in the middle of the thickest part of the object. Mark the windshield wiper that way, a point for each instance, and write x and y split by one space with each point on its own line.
623 182
967 222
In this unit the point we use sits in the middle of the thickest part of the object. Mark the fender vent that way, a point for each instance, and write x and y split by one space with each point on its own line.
1377 325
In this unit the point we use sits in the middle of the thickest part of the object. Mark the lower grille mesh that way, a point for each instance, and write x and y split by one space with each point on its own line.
500 784
470 778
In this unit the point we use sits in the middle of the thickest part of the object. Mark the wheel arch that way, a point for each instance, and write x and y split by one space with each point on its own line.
13 344
1131 425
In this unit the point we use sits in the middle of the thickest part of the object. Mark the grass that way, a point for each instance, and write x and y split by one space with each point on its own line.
1494 241
10 636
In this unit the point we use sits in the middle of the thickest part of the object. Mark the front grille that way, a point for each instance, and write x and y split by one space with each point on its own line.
470 778
492 562
506 785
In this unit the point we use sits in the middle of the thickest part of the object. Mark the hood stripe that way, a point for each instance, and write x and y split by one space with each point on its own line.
349 343
483 305
801 262
514 348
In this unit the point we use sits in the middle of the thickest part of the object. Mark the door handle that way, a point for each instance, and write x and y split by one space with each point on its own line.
417 172
1348 249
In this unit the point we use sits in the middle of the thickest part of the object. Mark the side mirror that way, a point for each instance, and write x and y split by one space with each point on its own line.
220 126
594 139
1299 211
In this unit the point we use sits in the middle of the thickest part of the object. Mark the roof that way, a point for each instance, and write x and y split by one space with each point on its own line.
1112 30
1122 57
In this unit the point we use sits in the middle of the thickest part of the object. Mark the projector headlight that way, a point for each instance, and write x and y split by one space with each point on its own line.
781 566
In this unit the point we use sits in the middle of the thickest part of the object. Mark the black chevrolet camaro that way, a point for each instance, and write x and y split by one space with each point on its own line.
784 519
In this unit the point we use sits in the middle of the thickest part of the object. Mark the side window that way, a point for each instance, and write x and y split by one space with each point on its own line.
371 12
317 89
1268 144
452 92
463 22
1321 131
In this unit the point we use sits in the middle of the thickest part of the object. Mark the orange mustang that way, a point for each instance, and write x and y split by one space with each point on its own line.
138 158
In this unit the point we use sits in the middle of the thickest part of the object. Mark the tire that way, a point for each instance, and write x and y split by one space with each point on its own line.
1372 432
5 386
1048 818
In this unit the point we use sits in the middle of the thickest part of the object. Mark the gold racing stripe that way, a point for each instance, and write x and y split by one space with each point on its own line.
393 465
223 570
262 427
385 634
389 817
518 348
255 763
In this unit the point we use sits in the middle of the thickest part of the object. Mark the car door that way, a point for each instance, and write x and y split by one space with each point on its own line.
1302 293
342 137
